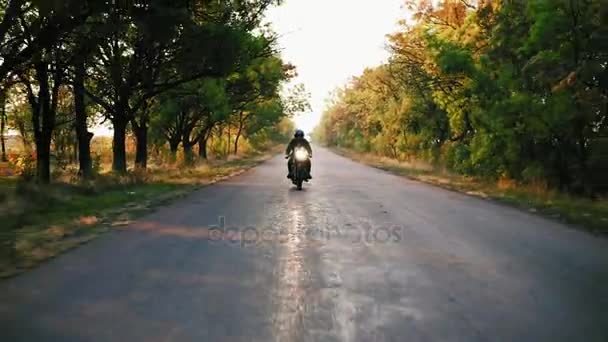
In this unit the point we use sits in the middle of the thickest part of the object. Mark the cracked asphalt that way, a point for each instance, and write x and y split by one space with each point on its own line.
359 255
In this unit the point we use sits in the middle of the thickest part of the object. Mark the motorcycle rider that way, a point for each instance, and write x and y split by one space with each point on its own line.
298 141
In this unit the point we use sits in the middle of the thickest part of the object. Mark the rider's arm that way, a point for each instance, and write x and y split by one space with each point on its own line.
308 148
289 148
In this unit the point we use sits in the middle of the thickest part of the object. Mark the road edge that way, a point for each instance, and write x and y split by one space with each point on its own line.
115 218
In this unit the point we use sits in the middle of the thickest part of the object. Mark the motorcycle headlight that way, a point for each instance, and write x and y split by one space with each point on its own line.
301 155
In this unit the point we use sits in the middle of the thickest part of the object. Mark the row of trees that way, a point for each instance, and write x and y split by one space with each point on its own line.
505 88
169 71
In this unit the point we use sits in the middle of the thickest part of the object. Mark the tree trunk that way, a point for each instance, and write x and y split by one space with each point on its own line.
202 147
119 147
141 152
82 133
228 144
75 149
43 157
236 144
140 127
173 146
43 120
188 155
238 136
3 124
187 148
23 135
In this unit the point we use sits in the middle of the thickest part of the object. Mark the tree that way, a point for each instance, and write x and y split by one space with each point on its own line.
512 89
82 45
3 123
188 113
30 26
43 84
159 45
255 94
33 35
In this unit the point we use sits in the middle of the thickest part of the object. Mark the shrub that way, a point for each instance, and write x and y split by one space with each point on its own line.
534 173
24 165
458 158
96 163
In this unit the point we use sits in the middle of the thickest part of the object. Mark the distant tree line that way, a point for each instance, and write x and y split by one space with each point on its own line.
167 72
504 88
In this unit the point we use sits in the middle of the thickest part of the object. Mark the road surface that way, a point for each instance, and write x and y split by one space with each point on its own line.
359 255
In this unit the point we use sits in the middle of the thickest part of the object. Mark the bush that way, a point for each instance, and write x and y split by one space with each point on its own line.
458 158
96 163
534 173
24 165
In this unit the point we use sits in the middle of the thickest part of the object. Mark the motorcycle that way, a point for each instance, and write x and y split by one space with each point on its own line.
298 167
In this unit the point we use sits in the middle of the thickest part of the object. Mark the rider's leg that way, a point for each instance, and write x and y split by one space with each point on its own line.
308 168
289 164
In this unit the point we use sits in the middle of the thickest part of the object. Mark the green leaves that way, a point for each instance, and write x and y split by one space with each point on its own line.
455 61
512 89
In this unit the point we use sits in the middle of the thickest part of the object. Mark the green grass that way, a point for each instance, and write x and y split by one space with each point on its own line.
585 213
40 222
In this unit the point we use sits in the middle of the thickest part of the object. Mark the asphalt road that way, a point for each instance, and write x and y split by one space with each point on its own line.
359 255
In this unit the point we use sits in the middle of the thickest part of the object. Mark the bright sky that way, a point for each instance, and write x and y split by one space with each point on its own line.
329 41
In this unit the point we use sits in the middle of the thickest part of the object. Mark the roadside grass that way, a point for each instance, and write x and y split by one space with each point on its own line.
40 222
591 215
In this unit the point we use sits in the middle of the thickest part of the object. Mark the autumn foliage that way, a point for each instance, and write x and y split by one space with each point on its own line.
510 89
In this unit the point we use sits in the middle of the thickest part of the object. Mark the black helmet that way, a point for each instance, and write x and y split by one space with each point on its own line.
299 134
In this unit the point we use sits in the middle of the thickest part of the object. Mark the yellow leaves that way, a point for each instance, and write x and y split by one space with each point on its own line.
566 82
57 231
23 165
88 220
